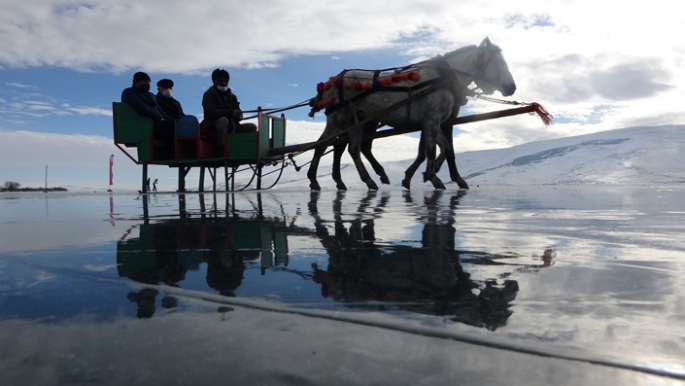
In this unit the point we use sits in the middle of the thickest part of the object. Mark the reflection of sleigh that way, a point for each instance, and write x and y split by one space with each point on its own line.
165 251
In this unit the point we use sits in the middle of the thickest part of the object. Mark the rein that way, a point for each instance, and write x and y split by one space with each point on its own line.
438 82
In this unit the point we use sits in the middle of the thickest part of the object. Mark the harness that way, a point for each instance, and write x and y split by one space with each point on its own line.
446 78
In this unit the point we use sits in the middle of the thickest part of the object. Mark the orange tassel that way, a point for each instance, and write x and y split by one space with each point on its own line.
367 85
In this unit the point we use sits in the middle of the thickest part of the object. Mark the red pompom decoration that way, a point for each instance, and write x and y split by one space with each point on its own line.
396 78
328 85
329 100
319 87
358 86
320 104
338 81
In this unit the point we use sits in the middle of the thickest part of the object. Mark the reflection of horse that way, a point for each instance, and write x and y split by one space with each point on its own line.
429 279
433 91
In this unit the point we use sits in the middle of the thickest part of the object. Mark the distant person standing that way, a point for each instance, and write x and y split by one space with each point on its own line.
154 185
143 101
147 185
222 109
166 101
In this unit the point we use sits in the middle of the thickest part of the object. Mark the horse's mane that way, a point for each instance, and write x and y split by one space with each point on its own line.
458 51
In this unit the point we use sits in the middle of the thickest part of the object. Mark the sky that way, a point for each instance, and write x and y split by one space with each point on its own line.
595 65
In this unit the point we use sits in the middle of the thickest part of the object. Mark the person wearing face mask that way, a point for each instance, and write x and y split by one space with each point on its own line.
166 101
222 109
143 101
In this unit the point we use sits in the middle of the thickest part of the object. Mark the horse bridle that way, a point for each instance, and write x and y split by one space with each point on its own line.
481 63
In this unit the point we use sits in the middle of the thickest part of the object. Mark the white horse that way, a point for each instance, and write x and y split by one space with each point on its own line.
422 95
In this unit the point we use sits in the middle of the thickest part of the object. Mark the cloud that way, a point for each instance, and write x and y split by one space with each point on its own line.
18 85
126 34
91 111
630 81
41 107
517 20
575 78
593 72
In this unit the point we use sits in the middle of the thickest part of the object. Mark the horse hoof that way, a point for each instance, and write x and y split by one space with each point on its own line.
437 183
385 180
406 184
372 185
314 186
341 186
462 184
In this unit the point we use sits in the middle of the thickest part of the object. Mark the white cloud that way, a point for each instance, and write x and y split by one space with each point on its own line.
592 71
91 111
18 85
41 107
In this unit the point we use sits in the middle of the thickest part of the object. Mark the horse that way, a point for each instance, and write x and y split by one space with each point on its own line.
424 95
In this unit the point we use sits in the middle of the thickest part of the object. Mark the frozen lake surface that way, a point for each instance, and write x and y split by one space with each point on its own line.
500 285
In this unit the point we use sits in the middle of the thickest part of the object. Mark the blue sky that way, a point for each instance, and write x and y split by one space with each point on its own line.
596 65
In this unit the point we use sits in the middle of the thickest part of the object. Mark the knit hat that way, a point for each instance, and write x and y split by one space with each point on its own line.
165 83
140 76
219 74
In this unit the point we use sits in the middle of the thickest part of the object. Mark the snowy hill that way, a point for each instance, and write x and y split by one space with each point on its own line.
638 155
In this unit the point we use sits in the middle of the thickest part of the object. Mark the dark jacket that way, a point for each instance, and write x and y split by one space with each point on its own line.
144 103
217 105
171 106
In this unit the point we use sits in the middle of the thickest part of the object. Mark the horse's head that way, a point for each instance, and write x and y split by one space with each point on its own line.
492 72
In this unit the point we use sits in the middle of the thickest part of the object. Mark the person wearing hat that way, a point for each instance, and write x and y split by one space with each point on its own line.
166 101
222 109
143 101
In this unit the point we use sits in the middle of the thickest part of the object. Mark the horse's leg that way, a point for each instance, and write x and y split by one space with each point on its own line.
319 149
338 151
380 171
409 173
447 131
366 150
355 151
314 166
431 130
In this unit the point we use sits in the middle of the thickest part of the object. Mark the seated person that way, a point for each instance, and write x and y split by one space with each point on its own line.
143 101
222 109
166 101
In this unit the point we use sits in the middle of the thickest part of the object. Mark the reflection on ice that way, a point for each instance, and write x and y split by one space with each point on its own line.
595 272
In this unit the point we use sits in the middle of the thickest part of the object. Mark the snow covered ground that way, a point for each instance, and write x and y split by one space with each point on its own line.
637 155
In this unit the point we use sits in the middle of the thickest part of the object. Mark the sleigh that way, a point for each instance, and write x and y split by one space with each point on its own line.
252 152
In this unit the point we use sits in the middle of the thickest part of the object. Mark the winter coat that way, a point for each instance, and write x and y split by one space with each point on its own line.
144 103
171 106
216 105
